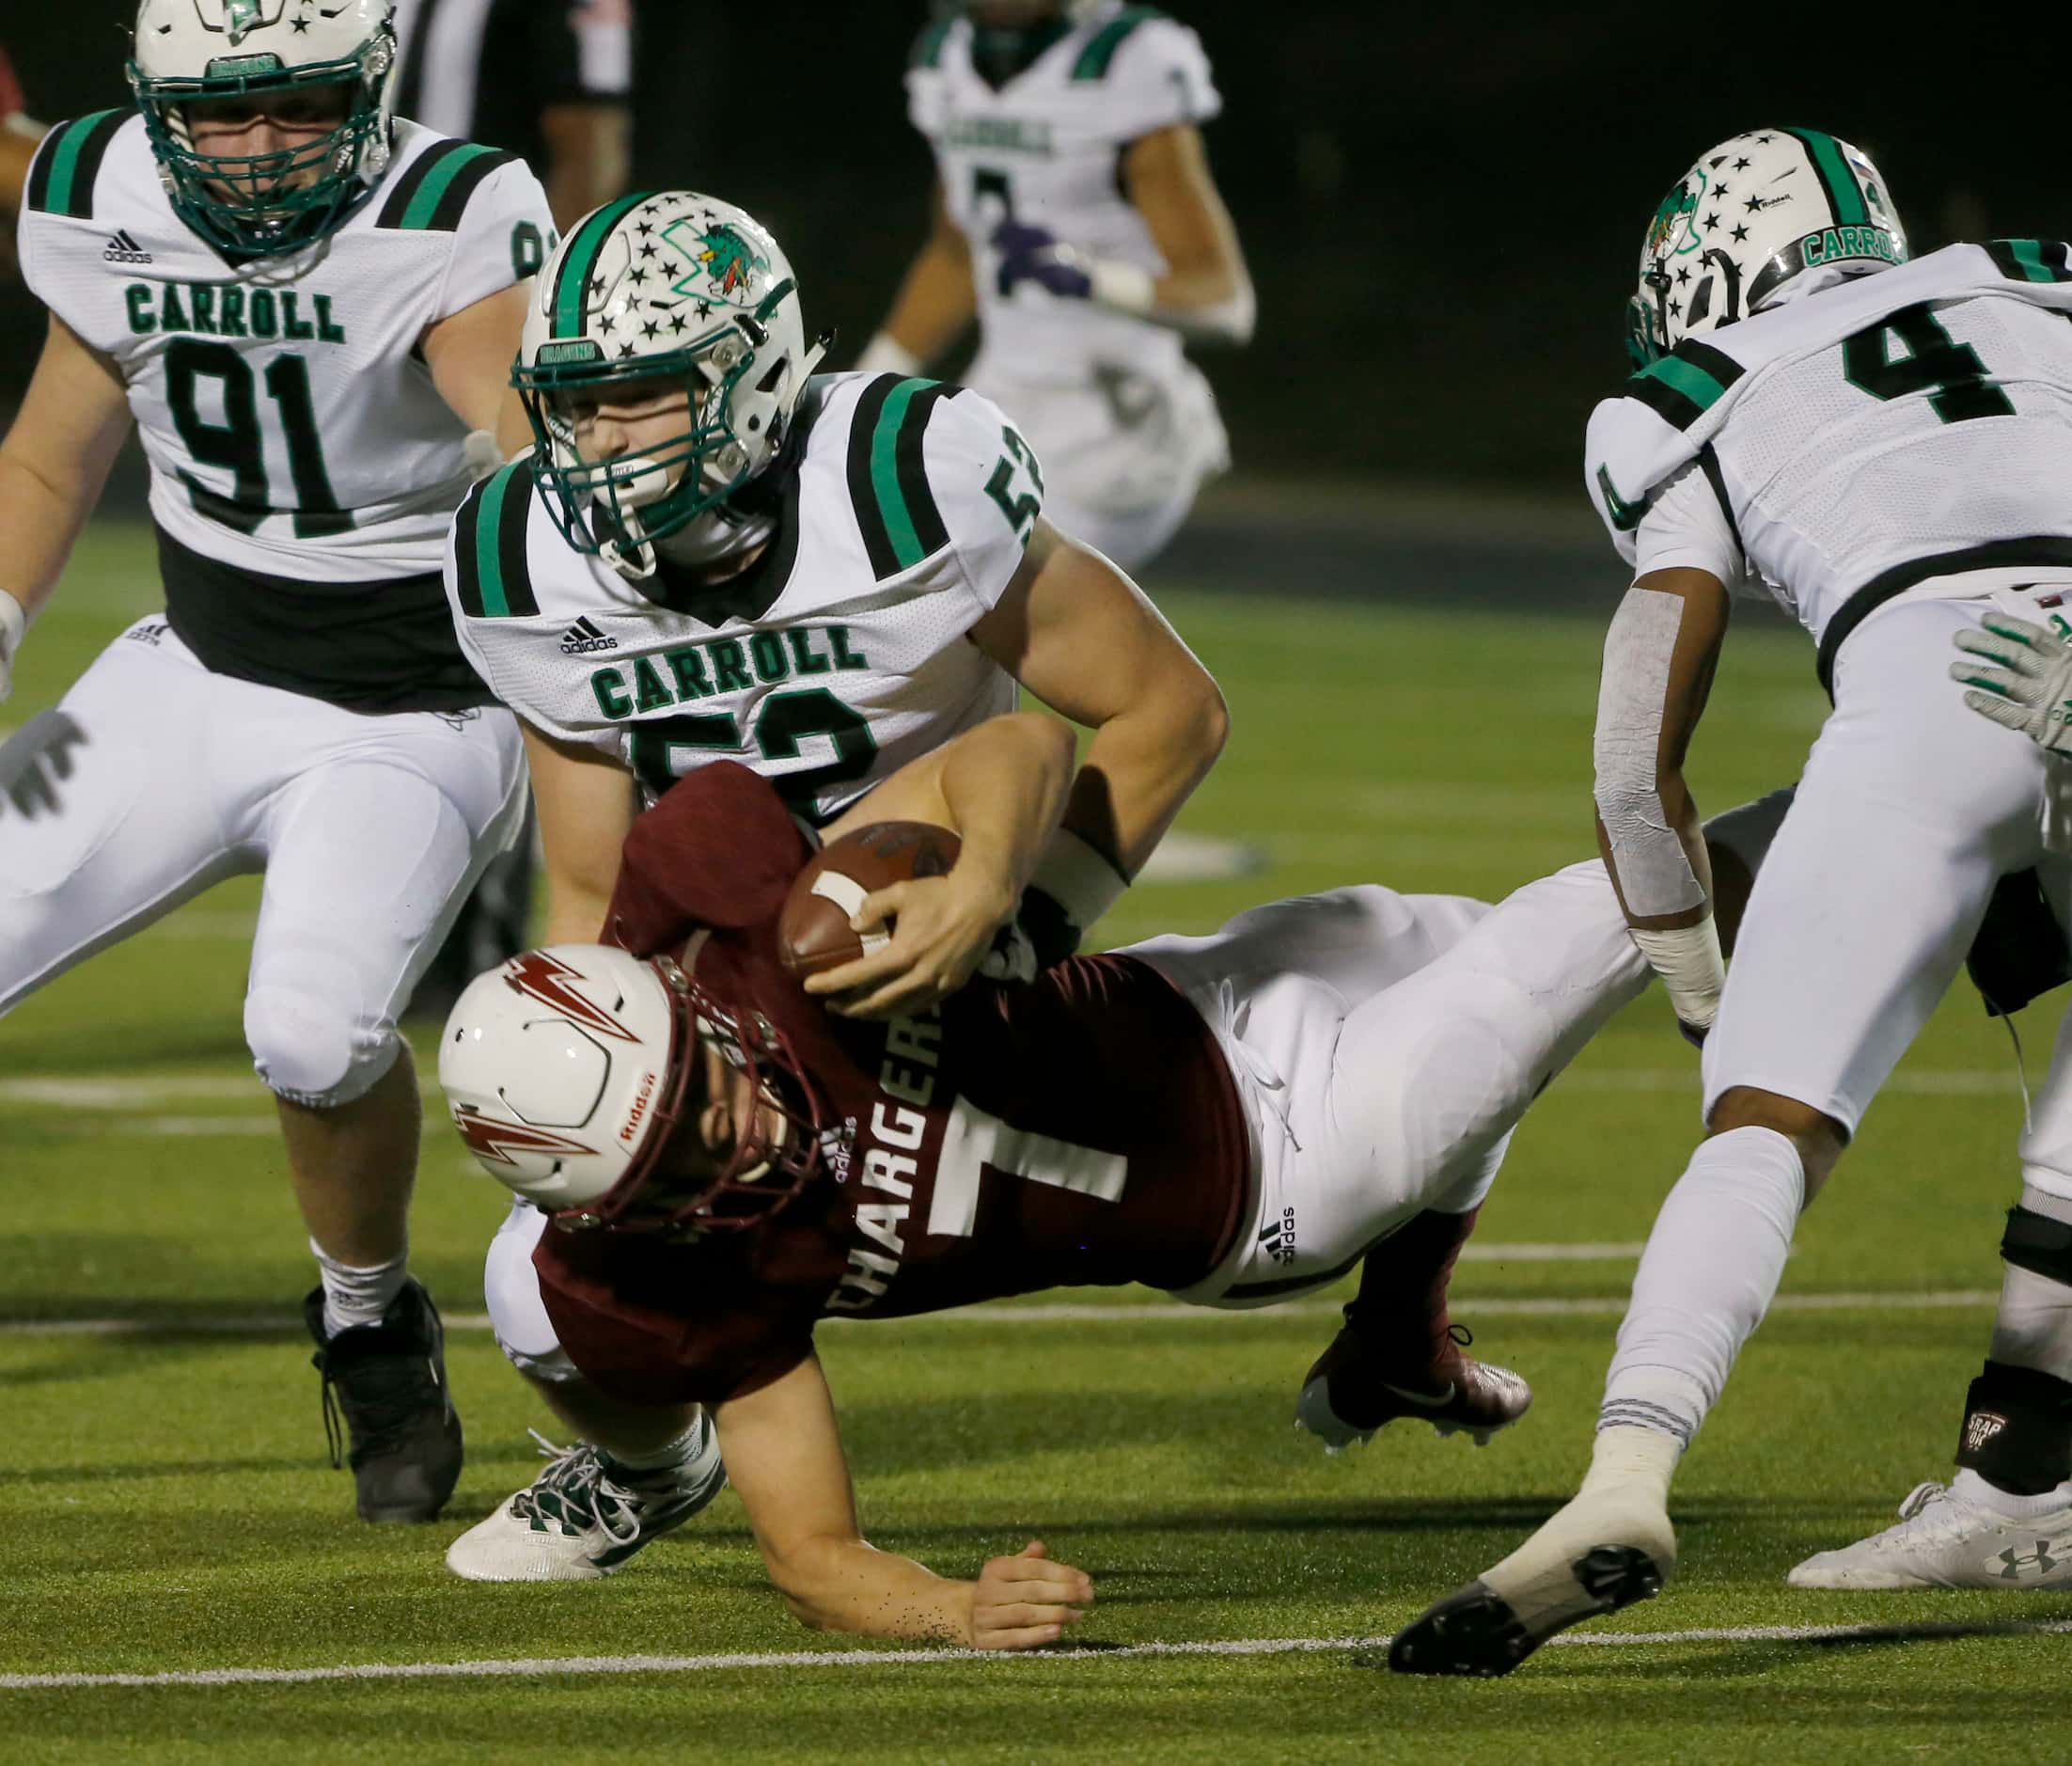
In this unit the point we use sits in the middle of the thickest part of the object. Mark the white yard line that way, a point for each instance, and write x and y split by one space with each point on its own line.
787 1659
1054 1312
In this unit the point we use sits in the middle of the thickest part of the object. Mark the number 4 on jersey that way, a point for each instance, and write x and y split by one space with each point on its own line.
1931 358
1020 508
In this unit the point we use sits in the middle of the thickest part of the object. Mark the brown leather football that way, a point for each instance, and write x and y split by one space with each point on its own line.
813 930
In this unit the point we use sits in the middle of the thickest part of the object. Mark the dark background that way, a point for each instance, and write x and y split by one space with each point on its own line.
1441 208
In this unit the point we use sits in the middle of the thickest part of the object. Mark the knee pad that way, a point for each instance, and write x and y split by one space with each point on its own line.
516 1313
311 1052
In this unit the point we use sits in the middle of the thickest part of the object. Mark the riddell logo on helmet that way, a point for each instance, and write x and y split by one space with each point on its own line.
639 1113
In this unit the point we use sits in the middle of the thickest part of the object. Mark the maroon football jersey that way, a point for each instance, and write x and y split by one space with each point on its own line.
1080 1131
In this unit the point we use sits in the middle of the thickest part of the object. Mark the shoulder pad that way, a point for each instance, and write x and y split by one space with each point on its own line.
1685 383
1100 50
928 47
888 485
2030 259
61 177
434 194
491 571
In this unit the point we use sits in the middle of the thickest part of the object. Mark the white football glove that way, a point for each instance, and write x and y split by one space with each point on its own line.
13 623
2020 676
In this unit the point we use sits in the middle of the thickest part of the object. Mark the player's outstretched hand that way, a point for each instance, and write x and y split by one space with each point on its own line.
2020 674
1027 1599
942 928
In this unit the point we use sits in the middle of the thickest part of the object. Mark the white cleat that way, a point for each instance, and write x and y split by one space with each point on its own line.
579 1520
1953 1538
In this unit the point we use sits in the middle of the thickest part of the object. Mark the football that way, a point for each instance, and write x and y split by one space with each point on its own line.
813 931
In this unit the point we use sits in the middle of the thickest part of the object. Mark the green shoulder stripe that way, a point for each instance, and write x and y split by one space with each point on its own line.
1101 47
489 546
2030 259
61 180
889 487
928 46
1685 383
433 195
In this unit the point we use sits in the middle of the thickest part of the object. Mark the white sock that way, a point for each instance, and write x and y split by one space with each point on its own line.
1977 1491
2034 1327
672 1457
1710 1269
354 1296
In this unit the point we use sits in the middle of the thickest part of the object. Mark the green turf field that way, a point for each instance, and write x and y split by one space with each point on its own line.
164 1504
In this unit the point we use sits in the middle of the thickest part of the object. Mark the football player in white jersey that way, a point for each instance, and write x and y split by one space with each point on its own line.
1886 446
1076 218
304 306
715 554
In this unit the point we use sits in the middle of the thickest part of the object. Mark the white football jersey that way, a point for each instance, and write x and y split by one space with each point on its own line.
1908 425
902 508
1046 149
292 426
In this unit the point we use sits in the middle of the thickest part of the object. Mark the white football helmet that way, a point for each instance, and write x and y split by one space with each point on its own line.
254 205
567 1070
1772 212
656 285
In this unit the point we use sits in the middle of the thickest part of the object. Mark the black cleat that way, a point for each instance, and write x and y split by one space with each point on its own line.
1351 1390
1477 1631
385 1392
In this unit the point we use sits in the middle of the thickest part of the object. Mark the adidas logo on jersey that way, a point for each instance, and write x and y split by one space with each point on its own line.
123 249
583 639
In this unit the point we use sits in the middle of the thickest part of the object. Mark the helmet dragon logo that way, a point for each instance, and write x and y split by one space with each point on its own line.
545 978
725 259
1677 212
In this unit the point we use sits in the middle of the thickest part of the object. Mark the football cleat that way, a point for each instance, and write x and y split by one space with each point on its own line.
386 1401
1605 1550
1347 1393
1950 1537
585 1515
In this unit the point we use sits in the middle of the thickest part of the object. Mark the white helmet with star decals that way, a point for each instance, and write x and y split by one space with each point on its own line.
1762 216
662 284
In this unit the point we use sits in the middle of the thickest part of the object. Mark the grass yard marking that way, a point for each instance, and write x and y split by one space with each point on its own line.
1928 1632
1054 1312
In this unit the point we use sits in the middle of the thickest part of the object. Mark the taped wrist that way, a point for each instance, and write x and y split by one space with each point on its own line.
14 621
2017 1430
1654 874
1123 287
885 354
1075 884
1688 961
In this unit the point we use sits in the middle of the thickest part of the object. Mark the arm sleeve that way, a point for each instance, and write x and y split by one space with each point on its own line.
503 236
718 849
1160 77
1686 527
988 485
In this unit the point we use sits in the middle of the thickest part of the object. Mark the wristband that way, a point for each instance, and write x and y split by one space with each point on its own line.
1078 877
1688 961
1123 287
885 354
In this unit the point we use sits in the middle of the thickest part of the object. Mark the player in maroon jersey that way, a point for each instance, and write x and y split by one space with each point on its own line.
1236 1119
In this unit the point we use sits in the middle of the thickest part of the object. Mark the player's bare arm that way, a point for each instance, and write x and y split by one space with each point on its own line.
1206 291
783 1454
52 465
470 354
590 153
999 788
1087 641
585 805
17 142
1659 655
935 304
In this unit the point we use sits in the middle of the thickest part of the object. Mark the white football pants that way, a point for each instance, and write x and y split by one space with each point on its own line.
1121 459
1910 809
1385 1046
371 830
